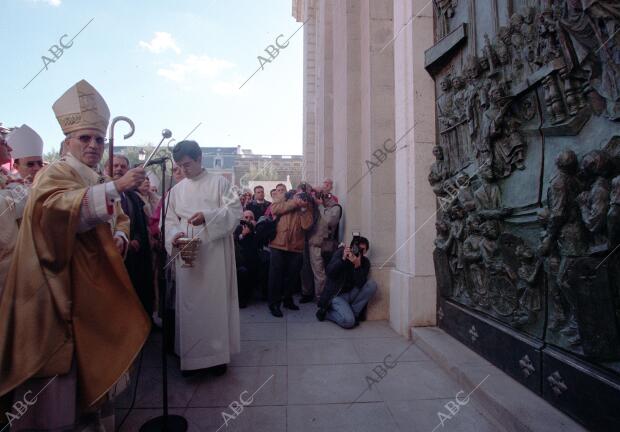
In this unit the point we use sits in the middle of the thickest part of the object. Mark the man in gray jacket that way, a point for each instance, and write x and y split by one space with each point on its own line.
322 240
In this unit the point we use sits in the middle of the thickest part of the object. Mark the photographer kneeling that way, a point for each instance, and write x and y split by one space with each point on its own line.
348 289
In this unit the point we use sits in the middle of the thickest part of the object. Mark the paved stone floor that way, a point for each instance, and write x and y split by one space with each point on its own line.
308 376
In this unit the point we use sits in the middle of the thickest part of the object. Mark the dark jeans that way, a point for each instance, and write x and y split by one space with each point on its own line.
284 269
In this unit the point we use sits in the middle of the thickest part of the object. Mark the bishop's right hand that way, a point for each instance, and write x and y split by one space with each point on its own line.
131 180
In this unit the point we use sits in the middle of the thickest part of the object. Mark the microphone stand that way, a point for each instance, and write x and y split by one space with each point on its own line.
165 422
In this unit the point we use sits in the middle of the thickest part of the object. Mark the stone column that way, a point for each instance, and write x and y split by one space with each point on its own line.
324 91
347 109
412 290
376 192
366 90
306 11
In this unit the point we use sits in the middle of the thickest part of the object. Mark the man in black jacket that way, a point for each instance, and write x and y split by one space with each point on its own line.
139 257
247 258
348 289
258 205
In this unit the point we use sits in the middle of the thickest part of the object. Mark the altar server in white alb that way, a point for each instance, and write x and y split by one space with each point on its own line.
27 153
206 207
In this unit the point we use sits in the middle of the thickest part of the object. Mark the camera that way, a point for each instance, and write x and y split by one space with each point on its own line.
323 195
250 225
304 196
355 244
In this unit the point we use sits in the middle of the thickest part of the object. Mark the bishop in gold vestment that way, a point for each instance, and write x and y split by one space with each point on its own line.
68 312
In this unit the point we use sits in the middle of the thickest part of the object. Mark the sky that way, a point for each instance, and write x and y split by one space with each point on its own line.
163 63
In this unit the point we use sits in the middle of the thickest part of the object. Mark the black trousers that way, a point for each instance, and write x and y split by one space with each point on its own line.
263 274
284 269
246 280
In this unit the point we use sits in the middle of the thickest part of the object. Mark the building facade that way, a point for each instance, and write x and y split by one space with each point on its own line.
250 168
477 145
369 124
239 166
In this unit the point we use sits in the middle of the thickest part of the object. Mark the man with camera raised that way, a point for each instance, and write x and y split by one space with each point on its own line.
295 216
322 241
348 289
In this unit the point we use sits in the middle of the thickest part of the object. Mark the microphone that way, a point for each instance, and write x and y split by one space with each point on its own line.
164 134
157 161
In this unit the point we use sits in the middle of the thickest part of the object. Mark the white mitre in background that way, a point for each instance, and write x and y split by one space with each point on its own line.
25 142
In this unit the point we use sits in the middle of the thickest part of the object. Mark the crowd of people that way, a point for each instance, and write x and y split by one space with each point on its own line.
291 245
92 259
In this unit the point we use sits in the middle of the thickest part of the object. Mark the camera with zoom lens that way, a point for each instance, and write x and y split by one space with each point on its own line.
250 225
355 244
320 195
304 196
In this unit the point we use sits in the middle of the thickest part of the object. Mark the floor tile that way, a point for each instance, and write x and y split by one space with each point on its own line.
398 349
138 416
152 355
323 351
329 384
306 375
257 313
329 330
150 390
263 331
414 380
363 417
251 419
266 383
439 415
260 353
307 313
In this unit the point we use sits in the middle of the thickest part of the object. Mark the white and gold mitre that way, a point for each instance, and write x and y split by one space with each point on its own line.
82 107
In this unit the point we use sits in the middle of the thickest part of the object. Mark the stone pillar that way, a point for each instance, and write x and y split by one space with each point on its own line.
367 90
413 294
376 192
347 119
305 10
324 91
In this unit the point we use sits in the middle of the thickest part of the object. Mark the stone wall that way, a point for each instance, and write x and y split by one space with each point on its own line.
356 106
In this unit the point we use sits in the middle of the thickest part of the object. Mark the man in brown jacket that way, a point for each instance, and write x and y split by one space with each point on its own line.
295 217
